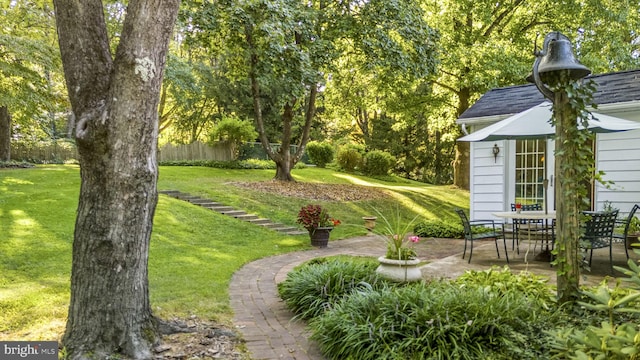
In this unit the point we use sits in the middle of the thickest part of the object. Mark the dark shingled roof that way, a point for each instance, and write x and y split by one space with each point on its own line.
610 88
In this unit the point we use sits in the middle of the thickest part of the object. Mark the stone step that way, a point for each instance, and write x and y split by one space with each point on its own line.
200 201
211 204
283 229
230 211
247 217
220 208
233 213
187 197
275 225
259 221
295 231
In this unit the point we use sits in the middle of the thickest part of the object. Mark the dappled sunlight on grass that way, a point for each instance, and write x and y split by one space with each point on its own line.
193 251
201 249
22 220
291 242
358 181
23 314
409 203
15 181
428 201
65 167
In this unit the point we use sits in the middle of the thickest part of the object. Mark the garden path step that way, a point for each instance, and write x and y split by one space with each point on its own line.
230 211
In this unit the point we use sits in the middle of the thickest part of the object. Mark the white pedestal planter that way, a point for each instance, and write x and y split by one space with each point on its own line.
399 270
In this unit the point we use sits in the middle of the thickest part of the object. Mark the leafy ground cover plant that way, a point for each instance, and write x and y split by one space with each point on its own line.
606 326
438 229
534 287
436 320
316 286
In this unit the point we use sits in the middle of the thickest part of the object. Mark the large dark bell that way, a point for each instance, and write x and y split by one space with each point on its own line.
559 56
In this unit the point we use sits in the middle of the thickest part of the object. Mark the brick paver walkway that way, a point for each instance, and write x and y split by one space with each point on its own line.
262 317
267 326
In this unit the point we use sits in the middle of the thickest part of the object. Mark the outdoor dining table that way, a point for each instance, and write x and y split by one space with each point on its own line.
546 216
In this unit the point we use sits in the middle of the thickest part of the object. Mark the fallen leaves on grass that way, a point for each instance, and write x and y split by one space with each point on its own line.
315 191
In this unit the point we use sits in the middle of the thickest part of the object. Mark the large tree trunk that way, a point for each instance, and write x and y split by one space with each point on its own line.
115 103
462 161
461 165
5 134
283 167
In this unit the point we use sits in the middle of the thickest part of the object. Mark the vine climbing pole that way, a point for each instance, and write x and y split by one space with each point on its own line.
567 198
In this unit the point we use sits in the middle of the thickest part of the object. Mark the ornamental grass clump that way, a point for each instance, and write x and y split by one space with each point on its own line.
314 287
436 320
312 217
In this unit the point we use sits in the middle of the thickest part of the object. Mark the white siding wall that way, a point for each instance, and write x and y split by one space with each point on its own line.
487 179
618 155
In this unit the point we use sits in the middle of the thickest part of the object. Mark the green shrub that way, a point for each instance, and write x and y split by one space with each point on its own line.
249 164
437 320
438 229
314 287
349 157
233 131
320 153
377 162
502 281
15 164
607 327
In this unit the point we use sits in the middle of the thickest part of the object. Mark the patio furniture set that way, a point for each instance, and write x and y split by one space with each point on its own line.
600 229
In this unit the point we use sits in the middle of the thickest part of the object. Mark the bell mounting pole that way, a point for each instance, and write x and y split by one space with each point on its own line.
556 64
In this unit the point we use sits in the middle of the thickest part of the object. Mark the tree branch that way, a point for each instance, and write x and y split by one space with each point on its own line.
84 47
497 22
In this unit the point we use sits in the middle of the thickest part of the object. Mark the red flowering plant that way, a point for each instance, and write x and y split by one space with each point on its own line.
312 217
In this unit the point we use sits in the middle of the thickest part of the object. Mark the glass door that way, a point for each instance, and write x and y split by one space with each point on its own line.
530 171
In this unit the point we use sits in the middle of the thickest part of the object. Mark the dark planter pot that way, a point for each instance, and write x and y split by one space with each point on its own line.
632 239
320 236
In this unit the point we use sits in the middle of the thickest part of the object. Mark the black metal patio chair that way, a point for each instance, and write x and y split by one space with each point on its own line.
477 230
598 232
624 224
527 226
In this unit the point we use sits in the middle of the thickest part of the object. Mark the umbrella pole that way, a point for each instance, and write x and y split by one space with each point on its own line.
545 183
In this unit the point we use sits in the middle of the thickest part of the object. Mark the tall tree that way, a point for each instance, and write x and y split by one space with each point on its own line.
490 44
31 93
115 102
5 134
288 49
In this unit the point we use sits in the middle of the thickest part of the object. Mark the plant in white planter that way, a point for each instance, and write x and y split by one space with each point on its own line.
400 262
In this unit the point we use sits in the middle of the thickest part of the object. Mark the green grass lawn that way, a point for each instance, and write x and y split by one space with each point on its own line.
194 251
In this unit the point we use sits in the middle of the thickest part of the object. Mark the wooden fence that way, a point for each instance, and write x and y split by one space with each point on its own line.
44 153
195 151
56 153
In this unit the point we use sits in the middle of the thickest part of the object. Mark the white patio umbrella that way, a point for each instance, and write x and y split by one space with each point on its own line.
535 123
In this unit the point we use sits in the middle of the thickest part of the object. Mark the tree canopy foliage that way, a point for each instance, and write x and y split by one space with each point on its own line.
283 54
389 75
31 82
